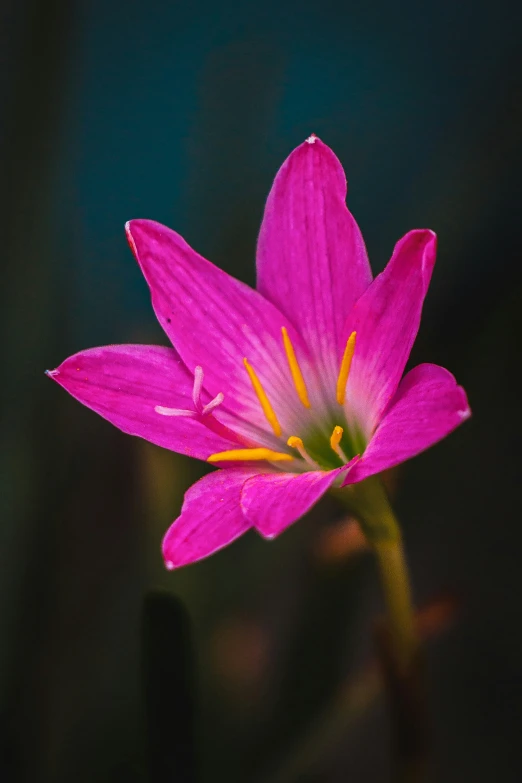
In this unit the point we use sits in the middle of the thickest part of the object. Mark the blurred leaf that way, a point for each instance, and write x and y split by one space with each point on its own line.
169 691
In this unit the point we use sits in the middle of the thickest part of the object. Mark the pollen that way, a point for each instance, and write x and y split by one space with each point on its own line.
297 375
335 440
264 401
296 443
346 363
246 455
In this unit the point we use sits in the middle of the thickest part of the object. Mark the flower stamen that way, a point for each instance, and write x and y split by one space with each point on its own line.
296 443
342 380
264 401
335 440
297 375
245 455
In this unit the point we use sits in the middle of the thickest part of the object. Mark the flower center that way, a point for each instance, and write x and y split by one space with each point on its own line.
320 452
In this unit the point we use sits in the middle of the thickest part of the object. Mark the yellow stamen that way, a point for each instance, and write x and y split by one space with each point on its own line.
335 437
263 399
297 375
342 380
335 440
296 443
244 455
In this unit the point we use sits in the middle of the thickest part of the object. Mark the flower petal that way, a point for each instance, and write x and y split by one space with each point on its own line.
427 407
311 259
124 383
215 321
211 518
386 319
274 501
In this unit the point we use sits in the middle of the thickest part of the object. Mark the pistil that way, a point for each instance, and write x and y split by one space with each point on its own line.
196 389
175 411
218 399
199 408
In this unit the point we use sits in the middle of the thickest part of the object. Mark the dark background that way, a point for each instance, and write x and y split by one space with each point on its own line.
183 113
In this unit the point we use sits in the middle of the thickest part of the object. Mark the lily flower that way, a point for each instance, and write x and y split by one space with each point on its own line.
290 389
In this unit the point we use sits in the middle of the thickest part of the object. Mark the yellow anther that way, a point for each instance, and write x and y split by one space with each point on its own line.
297 375
296 443
263 399
342 380
245 455
335 440
335 437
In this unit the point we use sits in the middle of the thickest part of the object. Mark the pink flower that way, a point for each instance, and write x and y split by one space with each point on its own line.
289 389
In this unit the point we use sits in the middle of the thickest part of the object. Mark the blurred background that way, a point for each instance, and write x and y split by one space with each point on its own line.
255 665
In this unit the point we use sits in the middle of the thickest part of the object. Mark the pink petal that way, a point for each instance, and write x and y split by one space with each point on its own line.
427 407
386 319
274 501
210 518
215 321
311 259
124 383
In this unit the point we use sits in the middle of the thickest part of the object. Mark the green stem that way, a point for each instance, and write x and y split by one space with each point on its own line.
398 643
369 502
397 594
